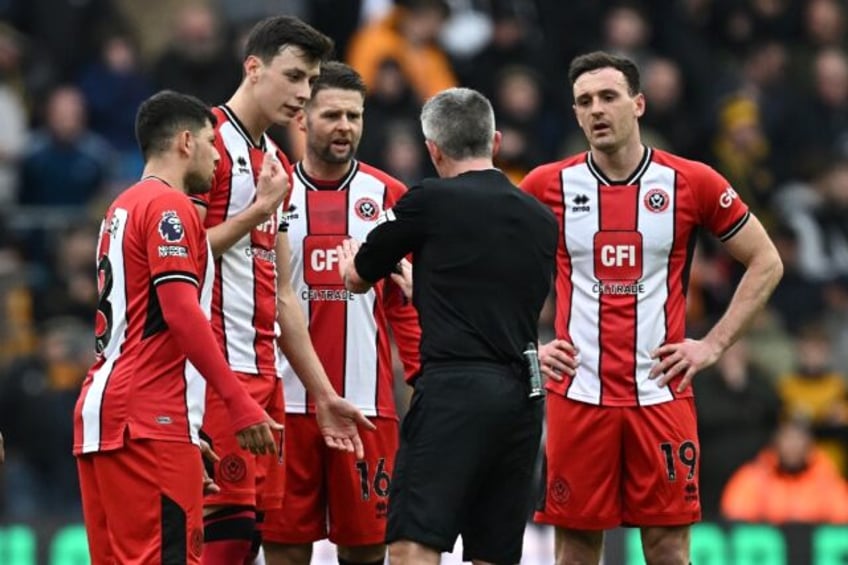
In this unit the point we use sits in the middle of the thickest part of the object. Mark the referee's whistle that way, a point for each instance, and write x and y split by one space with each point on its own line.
532 357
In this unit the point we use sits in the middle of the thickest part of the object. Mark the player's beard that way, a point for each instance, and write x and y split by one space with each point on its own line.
196 183
326 154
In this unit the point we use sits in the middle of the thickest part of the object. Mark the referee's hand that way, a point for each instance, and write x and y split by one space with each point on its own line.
259 438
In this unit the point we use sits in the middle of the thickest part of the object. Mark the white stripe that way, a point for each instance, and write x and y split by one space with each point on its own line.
92 403
657 229
236 265
361 359
361 353
175 277
580 229
295 393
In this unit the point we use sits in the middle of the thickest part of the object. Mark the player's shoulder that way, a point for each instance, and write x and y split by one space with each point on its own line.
689 169
548 171
221 116
392 184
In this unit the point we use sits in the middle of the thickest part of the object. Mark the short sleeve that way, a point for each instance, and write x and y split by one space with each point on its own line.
400 230
720 208
174 239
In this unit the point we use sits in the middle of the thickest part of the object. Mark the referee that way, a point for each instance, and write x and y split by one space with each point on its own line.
483 259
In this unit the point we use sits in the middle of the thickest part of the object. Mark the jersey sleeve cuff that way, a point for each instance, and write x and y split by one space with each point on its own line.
175 276
199 201
734 229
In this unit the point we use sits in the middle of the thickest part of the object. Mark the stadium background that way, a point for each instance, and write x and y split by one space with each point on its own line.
756 88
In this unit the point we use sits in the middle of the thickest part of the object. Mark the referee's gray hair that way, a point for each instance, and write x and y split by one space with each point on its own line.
461 122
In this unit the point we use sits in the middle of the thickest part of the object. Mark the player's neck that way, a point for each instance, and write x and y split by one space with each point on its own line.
164 172
619 164
449 168
249 114
321 170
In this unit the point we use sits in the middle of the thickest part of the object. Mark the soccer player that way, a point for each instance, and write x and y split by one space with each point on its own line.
2 450
483 256
137 418
622 445
335 197
253 300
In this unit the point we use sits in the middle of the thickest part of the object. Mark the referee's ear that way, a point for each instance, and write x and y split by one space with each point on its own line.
496 143
436 155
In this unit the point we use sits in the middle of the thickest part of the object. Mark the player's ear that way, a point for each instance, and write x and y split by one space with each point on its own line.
639 101
434 151
252 65
496 143
185 142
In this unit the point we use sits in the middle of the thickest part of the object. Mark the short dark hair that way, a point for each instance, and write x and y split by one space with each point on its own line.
270 35
336 74
165 114
601 60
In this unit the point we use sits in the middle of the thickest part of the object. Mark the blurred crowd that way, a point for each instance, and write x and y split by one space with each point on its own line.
756 88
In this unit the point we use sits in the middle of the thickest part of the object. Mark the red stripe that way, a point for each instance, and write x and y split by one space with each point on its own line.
618 212
327 213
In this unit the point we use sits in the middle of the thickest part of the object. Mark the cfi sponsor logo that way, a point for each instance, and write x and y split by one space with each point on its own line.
171 227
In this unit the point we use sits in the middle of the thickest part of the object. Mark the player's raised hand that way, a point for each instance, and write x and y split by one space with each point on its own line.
259 438
338 421
686 357
557 357
346 252
272 185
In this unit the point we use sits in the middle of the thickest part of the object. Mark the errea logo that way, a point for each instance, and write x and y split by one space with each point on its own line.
727 197
580 203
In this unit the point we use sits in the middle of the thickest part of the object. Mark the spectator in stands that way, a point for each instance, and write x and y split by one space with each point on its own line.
66 164
37 396
408 35
815 391
790 482
199 60
527 136
114 86
798 300
13 133
738 410
819 218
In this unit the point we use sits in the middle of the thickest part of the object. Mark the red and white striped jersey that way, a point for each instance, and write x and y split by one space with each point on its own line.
350 332
244 304
623 262
141 383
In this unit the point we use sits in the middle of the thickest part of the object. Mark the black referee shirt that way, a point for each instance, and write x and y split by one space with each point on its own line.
483 261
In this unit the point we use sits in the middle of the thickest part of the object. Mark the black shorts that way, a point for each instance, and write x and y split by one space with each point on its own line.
465 463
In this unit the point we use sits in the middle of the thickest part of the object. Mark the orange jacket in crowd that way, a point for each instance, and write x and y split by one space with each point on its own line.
760 492
425 67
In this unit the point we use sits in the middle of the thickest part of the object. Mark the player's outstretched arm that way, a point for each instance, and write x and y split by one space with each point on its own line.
193 335
271 189
338 419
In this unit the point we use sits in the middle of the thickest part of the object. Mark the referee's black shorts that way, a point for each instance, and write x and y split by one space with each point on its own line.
465 463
